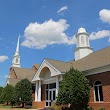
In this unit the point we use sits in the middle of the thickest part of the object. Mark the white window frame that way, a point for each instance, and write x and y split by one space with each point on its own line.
98 92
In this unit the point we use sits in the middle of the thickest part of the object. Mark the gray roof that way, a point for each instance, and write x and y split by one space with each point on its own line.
13 81
94 60
21 73
37 65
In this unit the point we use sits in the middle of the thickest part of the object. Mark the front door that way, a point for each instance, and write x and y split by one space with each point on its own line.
50 96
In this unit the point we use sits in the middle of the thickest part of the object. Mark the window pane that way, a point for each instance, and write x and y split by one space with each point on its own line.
54 95
50 94
96 93
47 86
97 83
49 103
53 85
46 94
46 103
100 93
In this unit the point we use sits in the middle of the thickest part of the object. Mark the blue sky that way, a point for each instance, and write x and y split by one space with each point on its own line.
47 29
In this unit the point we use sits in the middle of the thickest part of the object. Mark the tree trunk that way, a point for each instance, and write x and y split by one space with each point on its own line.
7 103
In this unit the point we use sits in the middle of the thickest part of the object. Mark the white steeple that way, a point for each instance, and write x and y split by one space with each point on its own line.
16 57
83 46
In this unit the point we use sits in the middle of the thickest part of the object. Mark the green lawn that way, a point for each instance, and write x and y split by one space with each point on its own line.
5 107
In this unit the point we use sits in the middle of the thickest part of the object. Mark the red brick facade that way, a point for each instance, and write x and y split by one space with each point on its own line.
104 78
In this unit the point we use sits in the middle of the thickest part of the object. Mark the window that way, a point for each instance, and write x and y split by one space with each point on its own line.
98 91
82 39
16 60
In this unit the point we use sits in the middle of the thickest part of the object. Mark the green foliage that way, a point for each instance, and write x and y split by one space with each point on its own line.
90 108
102 108
6 94
23 90
74 89
1 89
56 108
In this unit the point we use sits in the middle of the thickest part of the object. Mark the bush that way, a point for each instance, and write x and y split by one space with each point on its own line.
102 108
90 108
56 108
48 108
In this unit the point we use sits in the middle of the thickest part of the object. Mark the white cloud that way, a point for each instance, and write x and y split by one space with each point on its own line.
50 32
62 9
105 15
3 58
99 34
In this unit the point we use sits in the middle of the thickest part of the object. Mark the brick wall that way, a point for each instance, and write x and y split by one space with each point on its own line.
105 80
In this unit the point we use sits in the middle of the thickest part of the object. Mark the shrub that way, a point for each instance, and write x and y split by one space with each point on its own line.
102 108
90 108
56 108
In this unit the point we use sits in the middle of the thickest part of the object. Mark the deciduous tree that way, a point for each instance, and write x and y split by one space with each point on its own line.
23 91
74 90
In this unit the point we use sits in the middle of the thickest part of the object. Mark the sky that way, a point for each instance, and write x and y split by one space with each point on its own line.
47 29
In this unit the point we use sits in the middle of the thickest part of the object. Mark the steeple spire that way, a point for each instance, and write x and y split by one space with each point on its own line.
17 47
16 57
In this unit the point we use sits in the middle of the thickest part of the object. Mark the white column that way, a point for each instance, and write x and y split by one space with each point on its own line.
36 91
57 85
39 91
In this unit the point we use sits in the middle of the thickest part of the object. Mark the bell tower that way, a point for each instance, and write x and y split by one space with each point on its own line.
83 46
16 57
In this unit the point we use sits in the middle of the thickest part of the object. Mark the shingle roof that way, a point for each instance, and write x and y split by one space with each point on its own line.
22 73
13 81
60 65
37 65
94 60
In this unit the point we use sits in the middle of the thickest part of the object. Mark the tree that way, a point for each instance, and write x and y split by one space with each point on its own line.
6 95
74 89
23 90
1 88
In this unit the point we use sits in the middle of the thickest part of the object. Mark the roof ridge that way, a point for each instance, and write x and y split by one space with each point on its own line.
101 49
55 60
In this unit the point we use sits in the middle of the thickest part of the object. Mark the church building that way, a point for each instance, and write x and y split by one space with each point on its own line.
46 76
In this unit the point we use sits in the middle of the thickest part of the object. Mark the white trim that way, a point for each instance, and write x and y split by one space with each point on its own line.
36 91
97 70
51 67
98 92
57 85
39 91
48 81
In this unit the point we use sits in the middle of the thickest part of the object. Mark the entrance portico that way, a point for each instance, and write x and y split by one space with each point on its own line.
47 85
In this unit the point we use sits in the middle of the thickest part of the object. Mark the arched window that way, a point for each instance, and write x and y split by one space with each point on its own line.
98 91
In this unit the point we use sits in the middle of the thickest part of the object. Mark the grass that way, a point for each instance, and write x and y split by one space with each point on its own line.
5 107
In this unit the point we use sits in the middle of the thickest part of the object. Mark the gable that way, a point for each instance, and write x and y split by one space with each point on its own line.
44 68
